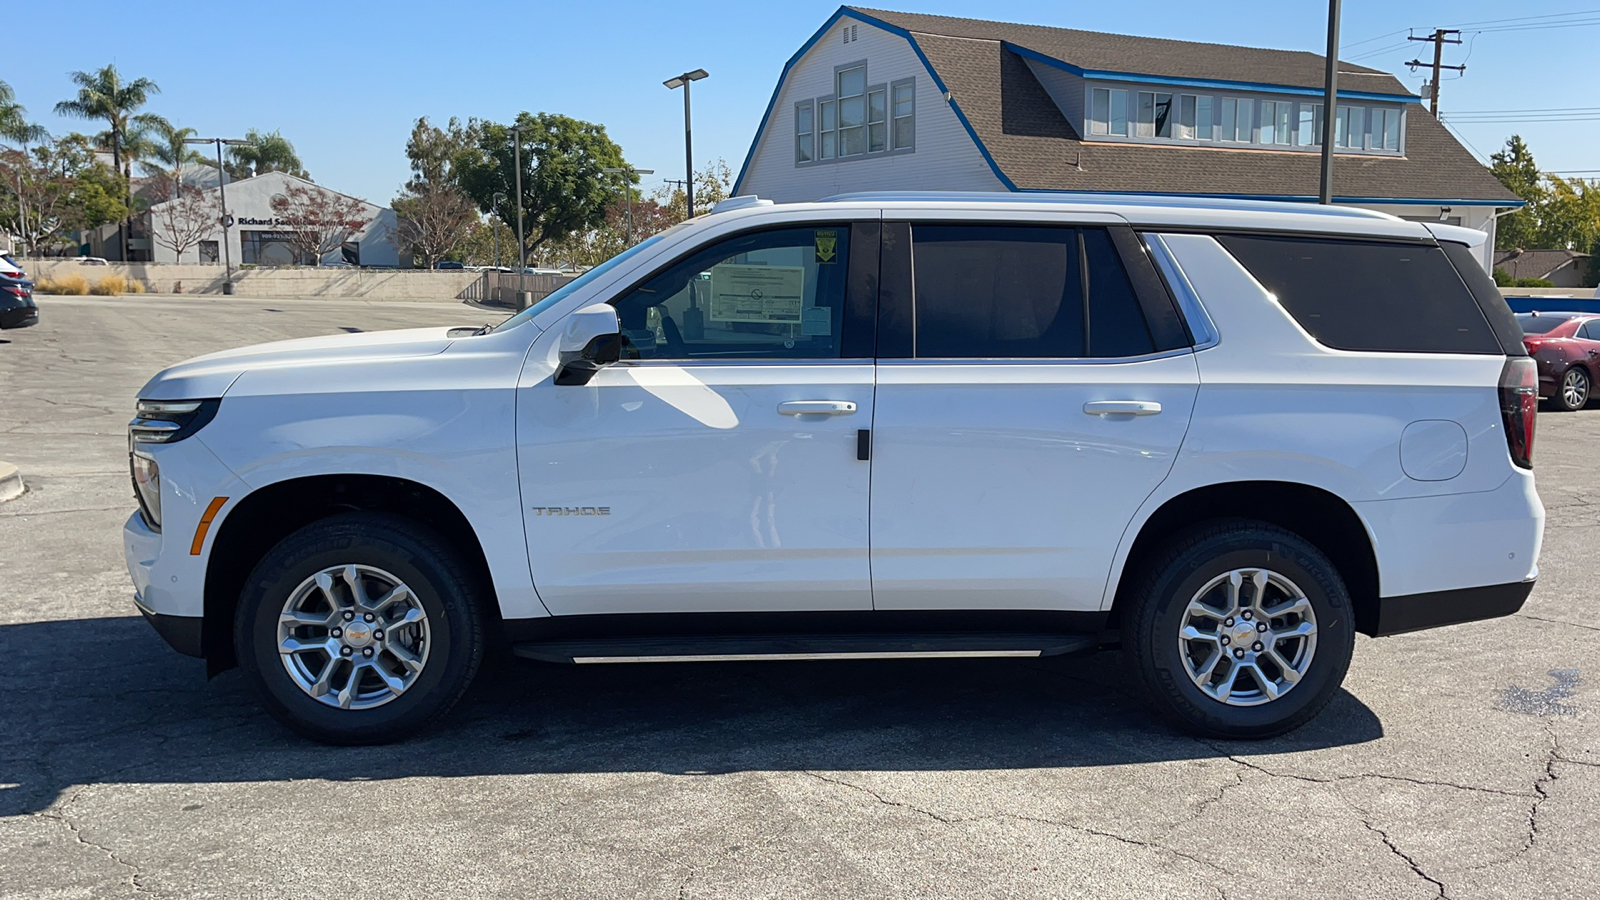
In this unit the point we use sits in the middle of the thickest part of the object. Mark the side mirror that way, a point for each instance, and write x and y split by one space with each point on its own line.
590 340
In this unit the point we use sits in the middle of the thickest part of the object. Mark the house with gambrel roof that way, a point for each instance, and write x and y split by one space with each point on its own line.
879 100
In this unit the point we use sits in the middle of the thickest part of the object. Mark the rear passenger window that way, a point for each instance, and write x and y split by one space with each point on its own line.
1017 292
1368 295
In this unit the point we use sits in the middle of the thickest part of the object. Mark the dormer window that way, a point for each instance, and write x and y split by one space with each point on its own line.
1279 123
857 121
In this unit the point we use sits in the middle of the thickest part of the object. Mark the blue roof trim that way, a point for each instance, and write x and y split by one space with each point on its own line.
778 89
938 82
1259 87
1305 198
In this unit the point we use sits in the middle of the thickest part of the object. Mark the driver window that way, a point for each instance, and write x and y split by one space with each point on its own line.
767 295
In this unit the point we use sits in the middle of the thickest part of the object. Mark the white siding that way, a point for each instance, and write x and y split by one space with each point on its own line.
1065 88
946 157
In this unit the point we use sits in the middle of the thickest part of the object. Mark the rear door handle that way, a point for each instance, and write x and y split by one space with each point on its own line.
816 407
1122 408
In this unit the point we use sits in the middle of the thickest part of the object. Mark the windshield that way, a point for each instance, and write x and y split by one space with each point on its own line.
561 293
1541 324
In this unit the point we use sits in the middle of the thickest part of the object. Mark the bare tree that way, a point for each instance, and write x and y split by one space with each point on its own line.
317 220
186 220
434 221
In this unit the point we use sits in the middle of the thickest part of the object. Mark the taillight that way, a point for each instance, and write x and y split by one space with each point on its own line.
1519 407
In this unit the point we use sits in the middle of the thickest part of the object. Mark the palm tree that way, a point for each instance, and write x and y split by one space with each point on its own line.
14 124
104 96
262 153
154 138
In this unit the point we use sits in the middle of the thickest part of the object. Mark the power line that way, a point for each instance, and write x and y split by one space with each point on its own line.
1585 12
1370 40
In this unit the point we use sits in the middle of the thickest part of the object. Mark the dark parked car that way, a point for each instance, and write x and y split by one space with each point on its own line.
447 264
17 309
1567 348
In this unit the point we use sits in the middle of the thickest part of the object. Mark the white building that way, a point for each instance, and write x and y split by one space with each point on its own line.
260 236
881 100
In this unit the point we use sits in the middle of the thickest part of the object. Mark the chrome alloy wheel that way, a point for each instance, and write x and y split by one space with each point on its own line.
1247 637
353 637
1575 388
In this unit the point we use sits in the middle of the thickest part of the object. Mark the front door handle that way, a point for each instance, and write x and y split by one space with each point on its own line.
1122 408
816 407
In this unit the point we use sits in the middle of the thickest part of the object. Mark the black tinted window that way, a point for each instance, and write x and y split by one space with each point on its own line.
772 294
1004 292
1368 295
1541 324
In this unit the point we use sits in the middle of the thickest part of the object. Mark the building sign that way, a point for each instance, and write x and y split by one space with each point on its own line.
270 222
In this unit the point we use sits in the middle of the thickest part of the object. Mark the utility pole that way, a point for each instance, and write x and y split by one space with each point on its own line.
1439 38
225 220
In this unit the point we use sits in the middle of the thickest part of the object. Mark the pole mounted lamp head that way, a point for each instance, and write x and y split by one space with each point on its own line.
685 78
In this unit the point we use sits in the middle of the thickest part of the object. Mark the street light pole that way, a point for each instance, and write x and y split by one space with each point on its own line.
222 188
498 196
627 173
1330 108
522 262
684 81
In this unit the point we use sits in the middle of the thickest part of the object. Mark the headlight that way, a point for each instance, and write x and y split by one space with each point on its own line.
168 421
147 487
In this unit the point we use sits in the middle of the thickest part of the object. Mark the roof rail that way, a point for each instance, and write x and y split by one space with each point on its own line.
1095 198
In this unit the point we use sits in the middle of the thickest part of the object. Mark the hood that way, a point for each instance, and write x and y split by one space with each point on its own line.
212 374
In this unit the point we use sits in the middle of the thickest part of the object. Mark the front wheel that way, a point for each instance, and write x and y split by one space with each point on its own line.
1239 630
1574 393
359 629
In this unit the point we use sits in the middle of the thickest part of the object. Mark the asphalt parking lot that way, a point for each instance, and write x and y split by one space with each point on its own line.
1462 763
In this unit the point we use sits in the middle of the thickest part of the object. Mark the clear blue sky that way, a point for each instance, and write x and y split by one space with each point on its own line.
345 81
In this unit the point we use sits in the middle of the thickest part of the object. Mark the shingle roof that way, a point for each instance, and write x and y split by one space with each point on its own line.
1534 263
1035 147
1102 52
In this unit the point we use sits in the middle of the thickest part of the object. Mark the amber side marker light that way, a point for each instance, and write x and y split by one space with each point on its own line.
205 524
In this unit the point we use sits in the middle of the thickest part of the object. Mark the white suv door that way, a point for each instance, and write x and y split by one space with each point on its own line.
715 467
1021 427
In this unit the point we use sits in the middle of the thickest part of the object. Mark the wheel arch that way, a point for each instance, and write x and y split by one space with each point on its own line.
270 513
1314 513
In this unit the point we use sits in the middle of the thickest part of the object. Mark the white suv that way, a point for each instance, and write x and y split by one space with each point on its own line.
1224 436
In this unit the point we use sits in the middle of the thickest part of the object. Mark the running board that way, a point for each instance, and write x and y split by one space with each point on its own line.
735 648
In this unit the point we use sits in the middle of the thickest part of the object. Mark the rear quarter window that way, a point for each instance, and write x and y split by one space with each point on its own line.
1368 295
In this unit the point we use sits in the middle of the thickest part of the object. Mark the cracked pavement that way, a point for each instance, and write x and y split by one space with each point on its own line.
1460 763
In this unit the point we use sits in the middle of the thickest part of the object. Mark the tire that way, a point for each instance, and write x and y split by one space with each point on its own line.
1264 701
409 677
1572 394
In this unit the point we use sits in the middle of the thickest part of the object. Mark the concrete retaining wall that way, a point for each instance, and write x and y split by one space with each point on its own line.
289 283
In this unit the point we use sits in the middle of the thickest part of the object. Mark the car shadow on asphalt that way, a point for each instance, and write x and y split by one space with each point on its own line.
105 701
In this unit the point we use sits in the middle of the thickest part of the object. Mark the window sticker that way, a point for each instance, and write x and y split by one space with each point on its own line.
827 247
741 293
817 321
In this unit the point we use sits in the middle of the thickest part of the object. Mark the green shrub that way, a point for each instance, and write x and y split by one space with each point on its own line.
1532 282
1501 277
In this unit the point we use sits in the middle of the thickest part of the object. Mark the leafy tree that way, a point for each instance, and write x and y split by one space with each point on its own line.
477 247
1516 169
433 221
58 188
319 219
712 185
262 153
563 185
433 150
188 218
103 96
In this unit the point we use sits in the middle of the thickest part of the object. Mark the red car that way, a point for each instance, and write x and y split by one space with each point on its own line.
1567 348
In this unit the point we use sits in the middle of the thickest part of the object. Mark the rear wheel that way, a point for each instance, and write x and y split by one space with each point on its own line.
359 629
1240 630
1574 392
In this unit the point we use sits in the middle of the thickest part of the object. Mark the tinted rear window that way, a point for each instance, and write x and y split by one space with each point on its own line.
1541 324
1368 295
